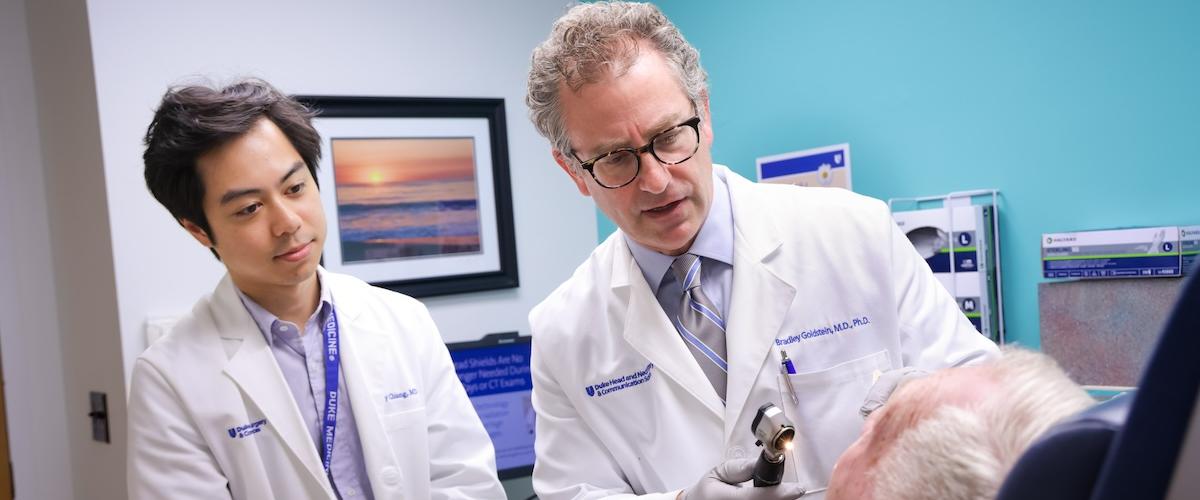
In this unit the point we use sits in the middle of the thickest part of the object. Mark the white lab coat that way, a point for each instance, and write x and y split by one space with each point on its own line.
825 274
214 372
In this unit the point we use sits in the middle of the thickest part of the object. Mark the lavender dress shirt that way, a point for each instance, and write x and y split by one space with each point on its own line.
300 356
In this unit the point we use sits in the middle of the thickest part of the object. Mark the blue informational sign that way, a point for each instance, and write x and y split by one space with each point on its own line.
825 167
495 372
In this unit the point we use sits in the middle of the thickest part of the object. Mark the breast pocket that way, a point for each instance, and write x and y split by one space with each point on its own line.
825 412
408 433
402 421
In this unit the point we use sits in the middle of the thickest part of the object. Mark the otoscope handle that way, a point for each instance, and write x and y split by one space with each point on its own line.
767 473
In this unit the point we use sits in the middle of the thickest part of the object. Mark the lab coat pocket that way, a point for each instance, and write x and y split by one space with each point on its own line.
401 421
408 434
407 430
825 412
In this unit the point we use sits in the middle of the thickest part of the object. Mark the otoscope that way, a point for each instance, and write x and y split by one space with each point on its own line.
774 432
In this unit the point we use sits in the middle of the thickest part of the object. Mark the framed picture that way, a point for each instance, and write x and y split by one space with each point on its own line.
416 192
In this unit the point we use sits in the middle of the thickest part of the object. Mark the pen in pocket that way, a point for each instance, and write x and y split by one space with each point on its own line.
788 369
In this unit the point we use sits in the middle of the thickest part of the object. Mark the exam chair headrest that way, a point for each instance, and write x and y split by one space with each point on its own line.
1063 463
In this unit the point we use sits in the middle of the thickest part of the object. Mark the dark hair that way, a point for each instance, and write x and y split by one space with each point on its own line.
193 120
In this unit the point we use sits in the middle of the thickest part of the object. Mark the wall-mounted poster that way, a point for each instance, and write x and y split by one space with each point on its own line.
823 167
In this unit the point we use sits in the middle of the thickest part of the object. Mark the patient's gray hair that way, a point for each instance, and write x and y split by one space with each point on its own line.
598 40
965 453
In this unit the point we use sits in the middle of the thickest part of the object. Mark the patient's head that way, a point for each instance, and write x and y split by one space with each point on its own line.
955 434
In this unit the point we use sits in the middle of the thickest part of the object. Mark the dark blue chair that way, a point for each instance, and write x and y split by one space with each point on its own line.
1125 448
1141 462
1064 462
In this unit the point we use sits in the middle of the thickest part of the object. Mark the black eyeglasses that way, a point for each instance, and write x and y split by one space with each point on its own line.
620 167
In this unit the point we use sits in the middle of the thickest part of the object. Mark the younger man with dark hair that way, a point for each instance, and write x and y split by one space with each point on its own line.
287 381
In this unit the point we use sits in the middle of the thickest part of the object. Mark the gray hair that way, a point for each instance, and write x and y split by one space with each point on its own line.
596 40
962 453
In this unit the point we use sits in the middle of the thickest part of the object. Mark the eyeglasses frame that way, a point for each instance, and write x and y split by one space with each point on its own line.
693 122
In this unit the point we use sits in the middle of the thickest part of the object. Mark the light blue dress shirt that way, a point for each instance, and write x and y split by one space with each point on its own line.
301 359
714 245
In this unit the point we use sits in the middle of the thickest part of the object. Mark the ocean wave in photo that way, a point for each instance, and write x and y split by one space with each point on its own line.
385 231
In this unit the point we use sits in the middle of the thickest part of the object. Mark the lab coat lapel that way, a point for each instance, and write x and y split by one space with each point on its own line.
253 368
648 331
760 300
356 350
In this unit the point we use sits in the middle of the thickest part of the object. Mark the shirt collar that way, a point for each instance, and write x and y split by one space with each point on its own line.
714 241
265 320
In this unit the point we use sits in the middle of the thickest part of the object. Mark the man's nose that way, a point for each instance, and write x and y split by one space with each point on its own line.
286 221
655 176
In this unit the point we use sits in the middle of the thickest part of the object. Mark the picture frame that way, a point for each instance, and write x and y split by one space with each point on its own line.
416 192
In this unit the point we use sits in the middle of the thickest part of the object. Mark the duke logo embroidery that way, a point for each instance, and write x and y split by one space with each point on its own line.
246 430
620 383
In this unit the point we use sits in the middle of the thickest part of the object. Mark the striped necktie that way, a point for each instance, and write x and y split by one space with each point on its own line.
699 324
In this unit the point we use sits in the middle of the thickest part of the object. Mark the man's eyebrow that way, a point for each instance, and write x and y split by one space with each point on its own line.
295 168
234 194
659 127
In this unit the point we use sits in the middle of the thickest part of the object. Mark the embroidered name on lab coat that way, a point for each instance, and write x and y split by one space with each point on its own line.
822 331
391 396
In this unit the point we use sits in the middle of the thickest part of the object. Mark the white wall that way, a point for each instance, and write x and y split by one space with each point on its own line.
29 335
80 247
387 48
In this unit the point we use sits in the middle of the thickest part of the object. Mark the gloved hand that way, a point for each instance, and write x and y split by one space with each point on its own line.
725 482
885 385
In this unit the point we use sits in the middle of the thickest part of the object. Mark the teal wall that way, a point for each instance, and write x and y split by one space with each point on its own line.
1083 113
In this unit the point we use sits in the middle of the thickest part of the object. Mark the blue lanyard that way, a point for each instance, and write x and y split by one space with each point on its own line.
329 424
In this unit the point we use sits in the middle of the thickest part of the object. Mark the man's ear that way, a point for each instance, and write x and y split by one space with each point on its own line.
569 168
199 234
706 130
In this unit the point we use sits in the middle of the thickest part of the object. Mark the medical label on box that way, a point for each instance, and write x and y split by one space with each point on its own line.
959 243
1189 247
1115 253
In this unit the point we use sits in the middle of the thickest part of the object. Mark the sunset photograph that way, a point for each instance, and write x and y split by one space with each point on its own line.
405 197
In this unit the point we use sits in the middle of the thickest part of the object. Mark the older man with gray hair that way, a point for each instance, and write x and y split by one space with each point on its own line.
651 361
954 435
